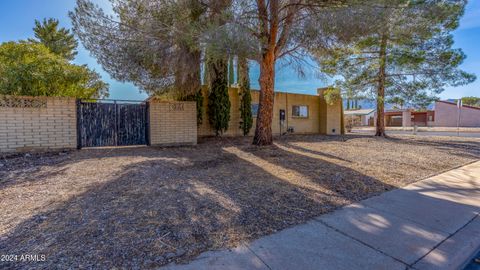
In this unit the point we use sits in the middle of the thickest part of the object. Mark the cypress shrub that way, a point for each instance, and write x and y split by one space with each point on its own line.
218 100
246 119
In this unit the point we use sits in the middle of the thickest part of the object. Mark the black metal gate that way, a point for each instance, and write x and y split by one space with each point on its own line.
111 123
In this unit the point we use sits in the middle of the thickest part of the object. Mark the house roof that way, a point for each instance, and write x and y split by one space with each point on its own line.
455 104
359 112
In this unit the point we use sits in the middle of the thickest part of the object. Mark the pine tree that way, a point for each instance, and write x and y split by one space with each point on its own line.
157 49
405 50
246 122
58 40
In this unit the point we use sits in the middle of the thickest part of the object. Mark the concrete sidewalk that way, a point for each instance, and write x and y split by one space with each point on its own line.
431 224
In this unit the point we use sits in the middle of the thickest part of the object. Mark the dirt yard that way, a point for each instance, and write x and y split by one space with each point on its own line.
145 207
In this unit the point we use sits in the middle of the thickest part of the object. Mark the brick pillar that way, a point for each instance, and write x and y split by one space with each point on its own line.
406 119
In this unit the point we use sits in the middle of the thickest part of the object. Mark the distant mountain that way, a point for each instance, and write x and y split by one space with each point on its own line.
362 104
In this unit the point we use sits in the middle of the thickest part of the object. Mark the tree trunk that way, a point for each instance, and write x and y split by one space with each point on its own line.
188 81
263 130
243 78
380 130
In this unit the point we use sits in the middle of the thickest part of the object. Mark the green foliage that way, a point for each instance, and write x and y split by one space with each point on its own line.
31 69
246 119
153 44
218 99
402 46
198 98
332 95
58 40
397 102
472 101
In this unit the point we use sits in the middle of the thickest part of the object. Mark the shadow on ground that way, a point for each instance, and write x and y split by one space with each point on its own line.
145 207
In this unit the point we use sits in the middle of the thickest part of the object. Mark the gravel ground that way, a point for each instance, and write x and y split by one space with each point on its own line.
144 207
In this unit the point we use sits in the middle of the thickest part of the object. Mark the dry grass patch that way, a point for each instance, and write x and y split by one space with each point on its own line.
145 207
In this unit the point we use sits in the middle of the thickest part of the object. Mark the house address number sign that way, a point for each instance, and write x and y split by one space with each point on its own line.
176 107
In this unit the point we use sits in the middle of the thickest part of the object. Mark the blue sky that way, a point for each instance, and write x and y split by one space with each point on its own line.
17 19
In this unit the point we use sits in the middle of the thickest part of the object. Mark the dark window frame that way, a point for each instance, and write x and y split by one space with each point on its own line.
300 116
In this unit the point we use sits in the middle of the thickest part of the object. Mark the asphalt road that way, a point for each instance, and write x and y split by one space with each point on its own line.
424 133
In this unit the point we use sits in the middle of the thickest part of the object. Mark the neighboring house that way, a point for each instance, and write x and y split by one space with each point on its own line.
447 114
409 118
303 114
444 114
362 117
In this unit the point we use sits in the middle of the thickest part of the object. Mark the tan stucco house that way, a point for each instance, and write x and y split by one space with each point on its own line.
304 114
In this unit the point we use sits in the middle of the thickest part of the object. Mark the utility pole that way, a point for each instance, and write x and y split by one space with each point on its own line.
459 113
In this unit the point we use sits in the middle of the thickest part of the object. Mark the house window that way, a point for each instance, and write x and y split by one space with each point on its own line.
254 107
300 111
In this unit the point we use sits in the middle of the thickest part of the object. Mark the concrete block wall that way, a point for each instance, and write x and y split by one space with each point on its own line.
37 123
172 123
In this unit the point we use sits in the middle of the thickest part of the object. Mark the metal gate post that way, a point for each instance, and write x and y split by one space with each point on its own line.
78 104
116 122
147 122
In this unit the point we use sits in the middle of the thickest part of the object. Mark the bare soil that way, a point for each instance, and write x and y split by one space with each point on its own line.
144 207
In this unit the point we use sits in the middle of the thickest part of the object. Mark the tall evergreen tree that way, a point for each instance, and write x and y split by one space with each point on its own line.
153 44
406 47
218 69
58 40
218 99
145 41
272 30
246 119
